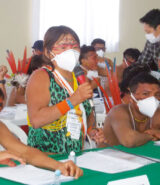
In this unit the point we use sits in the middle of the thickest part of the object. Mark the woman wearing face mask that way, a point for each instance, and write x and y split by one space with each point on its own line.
57 107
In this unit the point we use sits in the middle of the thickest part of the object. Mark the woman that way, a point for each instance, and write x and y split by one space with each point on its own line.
57 119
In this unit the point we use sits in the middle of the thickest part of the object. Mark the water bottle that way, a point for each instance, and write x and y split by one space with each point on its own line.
57 177
72 156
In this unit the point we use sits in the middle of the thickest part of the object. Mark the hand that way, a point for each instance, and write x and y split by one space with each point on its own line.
155 133
3 71
97 135
83 92
70 169
6 159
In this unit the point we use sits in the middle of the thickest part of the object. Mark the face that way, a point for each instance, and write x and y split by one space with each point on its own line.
36 52
148 29
91 60
99 47
146 90
64 43
128 60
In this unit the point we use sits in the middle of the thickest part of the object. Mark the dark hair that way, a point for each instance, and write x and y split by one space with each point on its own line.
84 51
36 62
152 18
1 94
132 71
51 37
141 78
97 41
132 52
38 45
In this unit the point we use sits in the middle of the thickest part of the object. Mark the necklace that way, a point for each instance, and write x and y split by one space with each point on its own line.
140 121
133 122
68 80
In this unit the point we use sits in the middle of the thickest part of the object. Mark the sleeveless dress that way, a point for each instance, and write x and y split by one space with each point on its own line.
52 137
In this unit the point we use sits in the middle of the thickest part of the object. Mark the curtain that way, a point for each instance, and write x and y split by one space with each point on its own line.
90 19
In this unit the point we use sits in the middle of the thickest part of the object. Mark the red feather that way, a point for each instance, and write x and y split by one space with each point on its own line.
24 59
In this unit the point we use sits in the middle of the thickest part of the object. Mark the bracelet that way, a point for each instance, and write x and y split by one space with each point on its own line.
70 104
63 107
2 82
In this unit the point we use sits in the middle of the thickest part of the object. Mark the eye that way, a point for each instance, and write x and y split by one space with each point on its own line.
145 93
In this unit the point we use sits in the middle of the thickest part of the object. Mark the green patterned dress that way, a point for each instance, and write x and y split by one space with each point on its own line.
56 141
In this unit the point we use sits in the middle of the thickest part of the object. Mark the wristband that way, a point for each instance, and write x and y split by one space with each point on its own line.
2 82
70 104
63 107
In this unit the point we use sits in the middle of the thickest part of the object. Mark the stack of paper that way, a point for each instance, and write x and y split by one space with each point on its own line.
31 175
110 161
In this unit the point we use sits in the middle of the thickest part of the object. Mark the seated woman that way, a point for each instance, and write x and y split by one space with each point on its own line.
24 154
19 82
58 108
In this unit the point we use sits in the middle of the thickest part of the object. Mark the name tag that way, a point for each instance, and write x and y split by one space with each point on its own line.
139 180
73 124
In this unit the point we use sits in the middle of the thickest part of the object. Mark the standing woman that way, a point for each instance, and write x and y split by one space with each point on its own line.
57 117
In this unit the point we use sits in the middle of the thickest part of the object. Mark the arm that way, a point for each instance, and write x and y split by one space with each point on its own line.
3 71
12 97
155 126
120 122
6 159
146 55
35 156
38 98
95 134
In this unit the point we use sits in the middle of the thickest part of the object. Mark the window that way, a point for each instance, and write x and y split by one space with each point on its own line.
90 19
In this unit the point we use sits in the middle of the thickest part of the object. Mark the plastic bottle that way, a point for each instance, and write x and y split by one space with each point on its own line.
72 156
57 177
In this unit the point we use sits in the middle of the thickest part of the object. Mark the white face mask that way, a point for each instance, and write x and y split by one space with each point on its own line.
151 38
101 65
91 74
100 53
147 106
67 60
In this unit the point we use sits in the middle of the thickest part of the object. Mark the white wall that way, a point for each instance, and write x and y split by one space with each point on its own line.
16 26
131 30
15 30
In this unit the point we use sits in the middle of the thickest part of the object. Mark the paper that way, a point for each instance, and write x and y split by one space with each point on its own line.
21 112
15 114
31 175
106 161
157 143
139 180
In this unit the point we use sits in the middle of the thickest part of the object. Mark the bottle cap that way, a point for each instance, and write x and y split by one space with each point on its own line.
72 153
57 172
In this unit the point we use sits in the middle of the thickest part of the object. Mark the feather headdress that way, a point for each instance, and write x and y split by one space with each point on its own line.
19 74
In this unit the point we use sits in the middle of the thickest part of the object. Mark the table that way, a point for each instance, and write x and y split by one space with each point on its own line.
98 178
